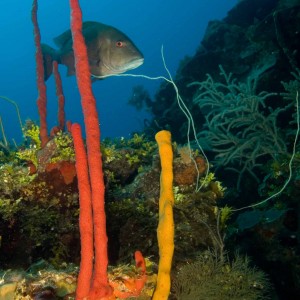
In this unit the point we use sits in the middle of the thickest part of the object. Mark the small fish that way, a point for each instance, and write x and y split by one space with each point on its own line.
109 50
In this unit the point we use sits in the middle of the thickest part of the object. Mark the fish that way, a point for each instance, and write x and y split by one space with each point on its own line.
109 50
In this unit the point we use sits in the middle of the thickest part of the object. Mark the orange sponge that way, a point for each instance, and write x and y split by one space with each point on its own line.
165 230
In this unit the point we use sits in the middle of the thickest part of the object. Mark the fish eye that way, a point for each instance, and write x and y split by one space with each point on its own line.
120 44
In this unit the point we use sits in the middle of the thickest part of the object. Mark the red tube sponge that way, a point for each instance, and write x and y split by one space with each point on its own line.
100 286
42 96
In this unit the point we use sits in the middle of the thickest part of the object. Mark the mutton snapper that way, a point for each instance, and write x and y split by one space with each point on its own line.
109 50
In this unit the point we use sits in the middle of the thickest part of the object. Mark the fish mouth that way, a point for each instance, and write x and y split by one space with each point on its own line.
128 66
134 64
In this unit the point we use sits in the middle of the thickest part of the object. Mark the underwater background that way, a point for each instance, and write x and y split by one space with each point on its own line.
233 177
174 24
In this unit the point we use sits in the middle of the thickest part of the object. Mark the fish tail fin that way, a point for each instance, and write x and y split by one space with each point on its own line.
49 55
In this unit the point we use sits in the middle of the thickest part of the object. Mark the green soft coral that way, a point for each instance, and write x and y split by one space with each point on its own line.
205 181
109 152
32 133
28 154
9 208
64 148
13 178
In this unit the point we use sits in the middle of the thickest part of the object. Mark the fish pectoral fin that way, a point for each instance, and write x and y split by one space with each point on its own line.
94 62
63 39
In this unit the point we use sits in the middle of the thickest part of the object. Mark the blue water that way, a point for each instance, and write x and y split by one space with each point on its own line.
173 23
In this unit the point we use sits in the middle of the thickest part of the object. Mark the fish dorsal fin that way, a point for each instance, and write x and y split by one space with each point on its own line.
89 30
63 39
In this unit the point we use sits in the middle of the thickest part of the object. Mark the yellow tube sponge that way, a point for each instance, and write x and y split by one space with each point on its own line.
165 229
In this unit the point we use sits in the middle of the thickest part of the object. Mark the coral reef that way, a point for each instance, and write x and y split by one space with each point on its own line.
215 278
42 207
248 122
39 201
43 281
132 208
39 195
255 40
240 129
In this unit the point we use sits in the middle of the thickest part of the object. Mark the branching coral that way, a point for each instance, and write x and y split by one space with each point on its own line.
240 128
292 89
214 278
139 98
59 149
64 147
31 132
13 179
